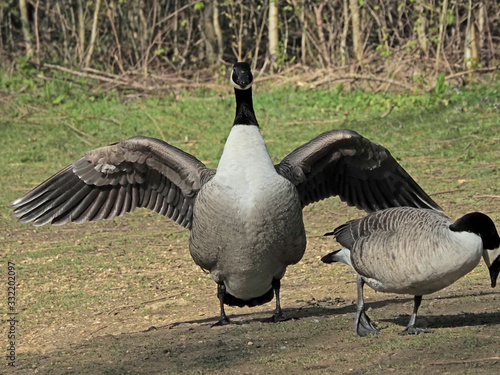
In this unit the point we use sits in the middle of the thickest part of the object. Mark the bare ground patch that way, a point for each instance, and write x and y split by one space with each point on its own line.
124 297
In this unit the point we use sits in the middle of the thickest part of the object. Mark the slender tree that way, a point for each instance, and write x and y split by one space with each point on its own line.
421 26
357 35
93 35
470 48
218 31
273 28
28 38
442 26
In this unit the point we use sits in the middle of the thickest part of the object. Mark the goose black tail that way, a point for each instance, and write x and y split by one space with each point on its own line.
330 258
231 300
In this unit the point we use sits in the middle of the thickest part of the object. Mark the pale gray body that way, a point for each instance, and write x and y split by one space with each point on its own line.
413 251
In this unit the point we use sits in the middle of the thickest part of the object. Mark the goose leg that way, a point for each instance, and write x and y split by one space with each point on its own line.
278 315
363 326
224 320
410 328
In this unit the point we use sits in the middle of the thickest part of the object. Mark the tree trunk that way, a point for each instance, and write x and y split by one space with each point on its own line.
303 38
318 12
470 48
218 32
28 39
481 18
209 32
442 24
273 29
81 31
93 35
357 36
344 54
422 27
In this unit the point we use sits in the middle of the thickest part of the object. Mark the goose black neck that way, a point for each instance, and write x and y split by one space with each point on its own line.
244 108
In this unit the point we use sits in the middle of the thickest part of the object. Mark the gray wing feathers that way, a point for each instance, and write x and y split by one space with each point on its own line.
113 180
388 222
362 173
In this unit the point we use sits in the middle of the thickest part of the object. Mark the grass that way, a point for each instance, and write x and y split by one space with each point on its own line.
72 276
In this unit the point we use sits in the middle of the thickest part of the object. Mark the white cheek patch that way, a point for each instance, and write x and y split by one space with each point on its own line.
236 86
490 256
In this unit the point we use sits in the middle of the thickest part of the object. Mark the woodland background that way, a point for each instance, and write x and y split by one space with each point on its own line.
145 44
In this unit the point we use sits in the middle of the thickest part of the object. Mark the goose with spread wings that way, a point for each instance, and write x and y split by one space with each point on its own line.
245 217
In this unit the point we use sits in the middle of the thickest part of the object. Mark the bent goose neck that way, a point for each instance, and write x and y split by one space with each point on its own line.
245 114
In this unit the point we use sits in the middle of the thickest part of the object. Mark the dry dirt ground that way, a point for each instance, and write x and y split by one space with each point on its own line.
153 315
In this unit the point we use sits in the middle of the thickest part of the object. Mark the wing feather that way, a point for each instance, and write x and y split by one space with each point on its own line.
113 180
362 173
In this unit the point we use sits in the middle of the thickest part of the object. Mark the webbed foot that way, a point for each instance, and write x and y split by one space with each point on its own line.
222 322
364 326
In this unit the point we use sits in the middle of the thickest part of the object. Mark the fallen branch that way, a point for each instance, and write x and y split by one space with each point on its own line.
312 122
139 304
446 192
465 361
156 124
479 70
388 112
361 77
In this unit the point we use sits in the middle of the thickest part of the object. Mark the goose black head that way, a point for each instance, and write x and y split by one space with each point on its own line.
241 76
242 80
482 225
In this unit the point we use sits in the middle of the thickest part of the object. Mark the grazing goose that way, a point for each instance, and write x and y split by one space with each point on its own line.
413 251
245 217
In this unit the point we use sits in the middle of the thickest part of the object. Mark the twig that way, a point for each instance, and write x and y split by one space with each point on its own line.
446 192
486 196
362 77
496 358
467 136
388 112
312 122
156 124
140 304
97 330
479 70
82 139
76 129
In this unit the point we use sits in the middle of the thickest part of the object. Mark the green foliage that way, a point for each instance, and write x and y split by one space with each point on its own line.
199 5
440 84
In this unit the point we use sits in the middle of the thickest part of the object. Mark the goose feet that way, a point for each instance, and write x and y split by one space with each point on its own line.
363 326
278 315
223 320
410 328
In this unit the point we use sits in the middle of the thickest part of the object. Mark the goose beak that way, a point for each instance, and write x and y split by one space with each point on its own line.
494 271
